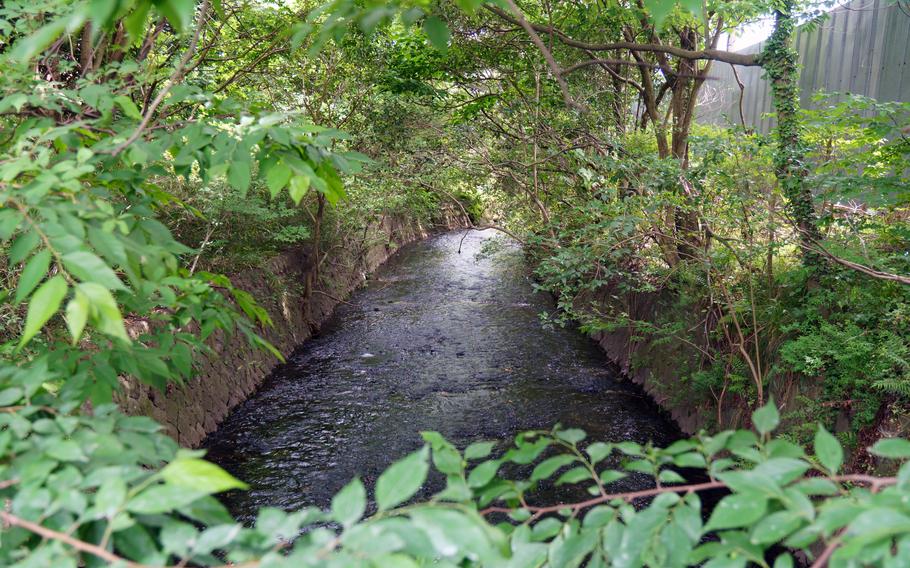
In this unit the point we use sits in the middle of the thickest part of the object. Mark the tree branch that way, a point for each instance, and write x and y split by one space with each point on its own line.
862 268
874 482
175 77
47 533
746 60
551 62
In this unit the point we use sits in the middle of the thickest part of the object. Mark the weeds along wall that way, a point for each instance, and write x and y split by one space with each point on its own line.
839 372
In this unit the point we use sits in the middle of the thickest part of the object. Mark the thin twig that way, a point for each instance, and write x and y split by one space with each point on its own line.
175 77
47 533
551 62
627 496
94 550
874 482
467 217
823 558
327 295
862 268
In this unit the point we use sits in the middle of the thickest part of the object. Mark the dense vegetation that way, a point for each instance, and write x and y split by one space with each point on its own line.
147 146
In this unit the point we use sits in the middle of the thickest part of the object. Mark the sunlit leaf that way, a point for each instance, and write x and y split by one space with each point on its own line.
402 479
349 504
200 475
44 303
35 270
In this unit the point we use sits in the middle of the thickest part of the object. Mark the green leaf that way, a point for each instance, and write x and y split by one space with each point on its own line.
217 537
598 451
453 534
89 267
877 523
22 246
14 101
349 504
766 418
483 473
163 498
438 33
277 177
239 176
10 396
105 312
527 452
776 527
694 7
469 6
35 270
738 510
402 479
102 12
895 448
178 12
572 435
783 561
446 458
9 221
177 537
44 304
65 450
574 475
200 475
670 476
136 21
828 450
599 516
34 43
659 10
548 467
298 188
478 450
110 497
77 313
301 32
128 106
782 470
813 486
608 476
572 550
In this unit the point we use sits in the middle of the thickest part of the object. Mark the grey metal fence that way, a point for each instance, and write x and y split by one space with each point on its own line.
862 48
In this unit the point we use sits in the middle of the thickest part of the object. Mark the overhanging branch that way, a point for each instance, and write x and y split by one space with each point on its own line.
744 59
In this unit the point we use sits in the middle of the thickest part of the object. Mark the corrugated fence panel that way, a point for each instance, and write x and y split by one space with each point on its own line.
862 48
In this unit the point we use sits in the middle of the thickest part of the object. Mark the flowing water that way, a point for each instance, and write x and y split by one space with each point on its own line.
439 340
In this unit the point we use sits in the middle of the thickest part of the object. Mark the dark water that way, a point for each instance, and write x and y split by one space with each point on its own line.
438 341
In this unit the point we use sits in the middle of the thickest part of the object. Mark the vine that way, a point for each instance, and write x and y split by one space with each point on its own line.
780 62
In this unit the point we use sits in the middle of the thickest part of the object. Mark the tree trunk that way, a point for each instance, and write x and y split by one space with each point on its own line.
780 62
317 248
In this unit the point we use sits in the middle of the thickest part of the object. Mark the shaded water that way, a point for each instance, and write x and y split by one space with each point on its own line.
439 340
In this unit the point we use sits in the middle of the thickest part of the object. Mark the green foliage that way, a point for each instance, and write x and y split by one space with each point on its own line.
843 339
105 487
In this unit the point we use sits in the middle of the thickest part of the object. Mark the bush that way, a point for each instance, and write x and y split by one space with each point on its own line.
86 489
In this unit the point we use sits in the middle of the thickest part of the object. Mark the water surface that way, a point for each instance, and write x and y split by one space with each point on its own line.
439 340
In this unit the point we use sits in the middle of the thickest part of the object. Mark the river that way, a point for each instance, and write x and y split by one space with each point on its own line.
438 340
